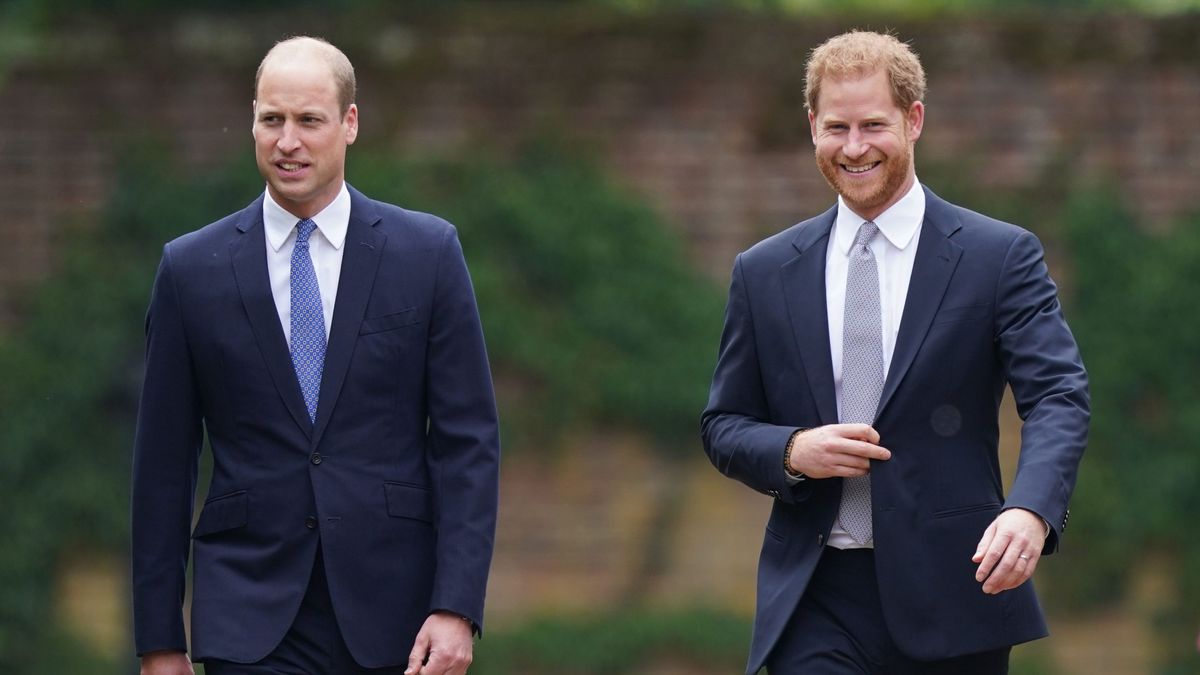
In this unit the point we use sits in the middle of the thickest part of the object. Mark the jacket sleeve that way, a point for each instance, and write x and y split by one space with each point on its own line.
464 441
1049 384
736 429
165 464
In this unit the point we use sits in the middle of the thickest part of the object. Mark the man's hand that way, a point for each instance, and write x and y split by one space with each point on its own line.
166 663
443 647
1009 550
837 450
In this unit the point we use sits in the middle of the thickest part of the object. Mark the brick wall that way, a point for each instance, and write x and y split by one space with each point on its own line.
704 116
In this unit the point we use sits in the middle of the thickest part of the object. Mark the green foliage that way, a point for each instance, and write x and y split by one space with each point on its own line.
1133 312
68 396
616 644
591 314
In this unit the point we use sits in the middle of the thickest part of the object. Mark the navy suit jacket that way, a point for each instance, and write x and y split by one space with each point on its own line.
981 312
396 481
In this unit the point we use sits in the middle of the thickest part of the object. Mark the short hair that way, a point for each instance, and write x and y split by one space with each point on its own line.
339 65
864 53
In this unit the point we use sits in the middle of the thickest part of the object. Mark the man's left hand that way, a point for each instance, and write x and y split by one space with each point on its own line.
443 647
1009 550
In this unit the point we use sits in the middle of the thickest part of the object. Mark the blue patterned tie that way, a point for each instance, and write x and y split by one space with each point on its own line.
308 320
862 371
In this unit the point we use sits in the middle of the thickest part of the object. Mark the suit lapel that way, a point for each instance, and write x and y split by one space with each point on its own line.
937 257
804 291
364 245
249 255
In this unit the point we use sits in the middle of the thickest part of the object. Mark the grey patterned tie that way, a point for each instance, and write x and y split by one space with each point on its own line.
862 371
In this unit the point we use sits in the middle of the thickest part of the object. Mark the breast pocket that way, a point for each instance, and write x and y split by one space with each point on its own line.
389 322
964 313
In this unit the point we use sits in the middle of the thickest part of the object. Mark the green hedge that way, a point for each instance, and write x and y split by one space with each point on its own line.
617 643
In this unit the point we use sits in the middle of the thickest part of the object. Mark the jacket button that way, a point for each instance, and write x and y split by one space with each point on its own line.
820 540
316 458
310 522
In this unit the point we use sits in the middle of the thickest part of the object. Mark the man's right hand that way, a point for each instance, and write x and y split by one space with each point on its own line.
837 451
166 663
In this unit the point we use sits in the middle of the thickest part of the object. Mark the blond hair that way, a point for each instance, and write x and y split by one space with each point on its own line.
861 53
339 65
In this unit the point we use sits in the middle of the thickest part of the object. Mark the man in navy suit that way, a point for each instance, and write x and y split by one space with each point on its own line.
860 374
330 348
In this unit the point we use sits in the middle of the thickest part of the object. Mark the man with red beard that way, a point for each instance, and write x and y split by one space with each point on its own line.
863 361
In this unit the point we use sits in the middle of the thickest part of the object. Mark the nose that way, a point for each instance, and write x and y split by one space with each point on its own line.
856 144
289 140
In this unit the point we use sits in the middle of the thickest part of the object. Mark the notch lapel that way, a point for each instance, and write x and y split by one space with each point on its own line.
360 261
937 257
248 253
803 279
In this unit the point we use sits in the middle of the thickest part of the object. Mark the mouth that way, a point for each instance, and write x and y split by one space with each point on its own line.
290 166
856 169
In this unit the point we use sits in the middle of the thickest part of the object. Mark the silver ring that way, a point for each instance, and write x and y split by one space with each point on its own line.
1023 557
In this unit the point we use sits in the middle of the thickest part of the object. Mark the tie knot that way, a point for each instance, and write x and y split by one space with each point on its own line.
304 229
866 232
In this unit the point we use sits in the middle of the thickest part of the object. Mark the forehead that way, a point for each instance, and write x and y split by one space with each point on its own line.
856 94
296 82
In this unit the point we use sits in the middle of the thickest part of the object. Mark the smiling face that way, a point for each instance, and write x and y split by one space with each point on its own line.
301 132
864 141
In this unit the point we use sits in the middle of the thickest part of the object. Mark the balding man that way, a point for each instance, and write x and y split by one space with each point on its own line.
330 348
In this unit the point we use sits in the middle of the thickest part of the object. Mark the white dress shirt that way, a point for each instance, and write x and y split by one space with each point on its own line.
326 251
895 249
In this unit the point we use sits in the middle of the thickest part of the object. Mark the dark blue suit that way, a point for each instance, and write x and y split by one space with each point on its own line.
981 312
396 481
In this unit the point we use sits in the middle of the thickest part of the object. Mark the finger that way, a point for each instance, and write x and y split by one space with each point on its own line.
985 542
1015 569
416 658
863 432
857 465
858 450
1006 572
867 450
442 662
992 556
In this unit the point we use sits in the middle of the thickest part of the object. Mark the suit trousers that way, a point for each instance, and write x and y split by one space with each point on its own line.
312 646
838 628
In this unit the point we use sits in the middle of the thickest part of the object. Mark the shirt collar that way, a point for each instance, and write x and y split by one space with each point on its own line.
332 221
898 224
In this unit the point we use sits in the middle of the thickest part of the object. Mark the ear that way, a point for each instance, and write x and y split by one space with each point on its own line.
915 119
253 115
350 121
812 126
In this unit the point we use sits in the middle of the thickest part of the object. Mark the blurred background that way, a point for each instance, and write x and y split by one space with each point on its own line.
604 161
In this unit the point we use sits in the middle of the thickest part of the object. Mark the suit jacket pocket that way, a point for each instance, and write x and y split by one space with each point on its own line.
379 324
222 513
961 510
405 500
963 313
